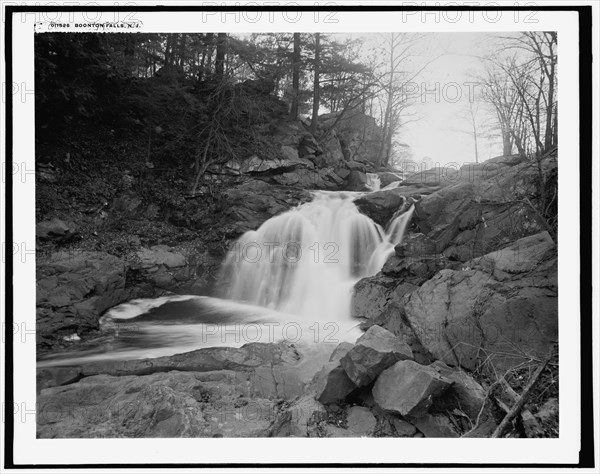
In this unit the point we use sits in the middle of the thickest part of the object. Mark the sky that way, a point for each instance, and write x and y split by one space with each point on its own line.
444 131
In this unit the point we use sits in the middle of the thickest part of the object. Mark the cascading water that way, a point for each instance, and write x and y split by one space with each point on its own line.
373 182
305 262
296 270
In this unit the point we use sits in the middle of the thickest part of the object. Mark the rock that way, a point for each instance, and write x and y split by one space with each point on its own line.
465 394
300 418
340 351
343 173
332 383
289 154
72 291
381 205
372 295
160 255
247 357
251 203
403 428
468 318
332 150
57 376
357 181
417 246
436 426
375 350
55 229
386 178
308 146
161 405
408 388
356 166
289 162
332 431
361 421
359 135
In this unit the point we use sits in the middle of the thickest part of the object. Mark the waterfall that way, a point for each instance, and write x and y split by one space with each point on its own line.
373 182
306 261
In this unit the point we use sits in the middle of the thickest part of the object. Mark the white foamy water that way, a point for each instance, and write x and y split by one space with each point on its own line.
306 261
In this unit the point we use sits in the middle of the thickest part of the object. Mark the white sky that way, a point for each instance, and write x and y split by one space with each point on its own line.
443 133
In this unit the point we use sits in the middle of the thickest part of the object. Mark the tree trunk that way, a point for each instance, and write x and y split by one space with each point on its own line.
221 52
295 76
315 109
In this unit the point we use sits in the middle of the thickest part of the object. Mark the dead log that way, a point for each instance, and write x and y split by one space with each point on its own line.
516 409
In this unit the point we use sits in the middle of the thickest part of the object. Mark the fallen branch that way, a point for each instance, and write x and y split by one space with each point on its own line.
510 416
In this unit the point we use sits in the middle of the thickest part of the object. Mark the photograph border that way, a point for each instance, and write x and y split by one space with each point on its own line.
586 454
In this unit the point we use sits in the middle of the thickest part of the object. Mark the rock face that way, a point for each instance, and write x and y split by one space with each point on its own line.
253 202
205 393
73 289
408 388
375 350
480 315
474 280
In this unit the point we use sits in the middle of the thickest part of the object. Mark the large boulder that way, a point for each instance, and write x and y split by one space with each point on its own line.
466 394
381 205
332 384
375 350
357 181
387 177
408 388
470 318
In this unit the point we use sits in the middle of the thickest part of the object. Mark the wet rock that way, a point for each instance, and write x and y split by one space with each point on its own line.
374 351
387 177
381 205
361 421
408 388
247 357
332 383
